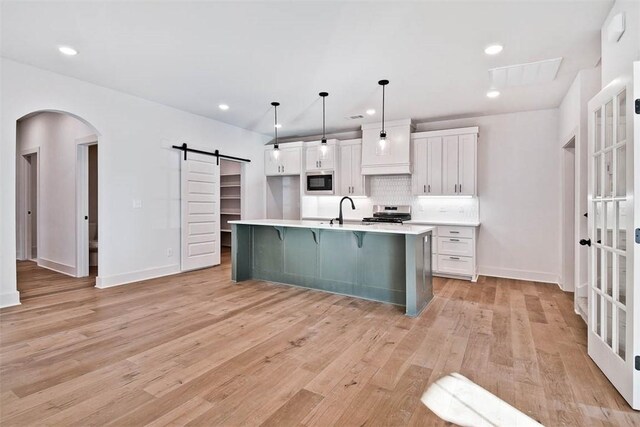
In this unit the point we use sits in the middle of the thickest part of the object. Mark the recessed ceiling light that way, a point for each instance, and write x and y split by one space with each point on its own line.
493 94
223 107
67 50
278 126
371 111
493 49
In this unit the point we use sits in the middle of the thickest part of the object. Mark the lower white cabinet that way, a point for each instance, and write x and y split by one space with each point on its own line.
453 252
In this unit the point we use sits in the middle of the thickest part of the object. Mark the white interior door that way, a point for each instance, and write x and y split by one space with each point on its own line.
612 303
200 199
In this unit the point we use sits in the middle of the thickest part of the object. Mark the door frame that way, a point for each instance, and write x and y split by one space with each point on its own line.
82 203
25 234
569 205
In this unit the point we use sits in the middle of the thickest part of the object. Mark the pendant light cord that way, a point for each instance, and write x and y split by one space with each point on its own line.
383 107
323 119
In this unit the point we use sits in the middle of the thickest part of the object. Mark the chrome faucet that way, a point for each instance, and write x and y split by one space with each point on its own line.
353 206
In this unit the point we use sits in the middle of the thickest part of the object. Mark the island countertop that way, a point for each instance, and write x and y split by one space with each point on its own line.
410 229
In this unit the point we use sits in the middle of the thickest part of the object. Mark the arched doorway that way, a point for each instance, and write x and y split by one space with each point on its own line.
57 215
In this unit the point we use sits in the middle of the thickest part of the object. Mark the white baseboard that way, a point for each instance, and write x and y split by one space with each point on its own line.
103 282
509 273
69 270
9 299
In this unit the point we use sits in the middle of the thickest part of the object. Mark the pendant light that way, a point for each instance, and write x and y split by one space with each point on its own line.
323 143
383 133
276 147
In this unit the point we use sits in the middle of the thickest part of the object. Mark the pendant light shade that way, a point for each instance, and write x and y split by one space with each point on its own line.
323 143
383 133
276 147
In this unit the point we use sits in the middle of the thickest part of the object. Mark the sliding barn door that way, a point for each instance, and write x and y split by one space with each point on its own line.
200 199
613 323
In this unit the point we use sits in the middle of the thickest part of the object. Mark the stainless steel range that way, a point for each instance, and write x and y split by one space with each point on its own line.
392 214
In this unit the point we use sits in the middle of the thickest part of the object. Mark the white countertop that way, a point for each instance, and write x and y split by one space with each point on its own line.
413 221
413 229
452 223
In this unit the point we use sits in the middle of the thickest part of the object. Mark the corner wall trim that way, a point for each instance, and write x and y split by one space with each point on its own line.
103 282
509 273
69 270
9 299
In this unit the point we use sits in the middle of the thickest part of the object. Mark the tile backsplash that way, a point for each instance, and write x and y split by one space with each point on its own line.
395 190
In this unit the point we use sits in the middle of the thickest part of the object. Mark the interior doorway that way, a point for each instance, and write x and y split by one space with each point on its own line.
30 199
87 206
56 203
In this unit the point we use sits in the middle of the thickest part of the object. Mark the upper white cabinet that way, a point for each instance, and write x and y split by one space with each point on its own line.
392 159
427 166
288 162
445 162
317 158
352 182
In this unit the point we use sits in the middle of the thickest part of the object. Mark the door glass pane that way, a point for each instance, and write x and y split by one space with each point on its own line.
622 225
598 262
608 320
622 117
598 313
621 272
621 171
608 174
597 168
608 124
598 220
609 279
607 238
622 333
598 130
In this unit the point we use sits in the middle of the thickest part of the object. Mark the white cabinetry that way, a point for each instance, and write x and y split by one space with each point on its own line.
352 182
392 159
445 162
288 161
427 166
317 158
454 252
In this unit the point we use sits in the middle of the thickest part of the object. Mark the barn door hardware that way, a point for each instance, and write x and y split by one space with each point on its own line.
216 153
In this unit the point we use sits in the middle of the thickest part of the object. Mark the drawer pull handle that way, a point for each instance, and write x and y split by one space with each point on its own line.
454 232
454 257
454 240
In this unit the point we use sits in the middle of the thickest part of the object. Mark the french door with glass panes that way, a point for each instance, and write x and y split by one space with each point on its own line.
611 332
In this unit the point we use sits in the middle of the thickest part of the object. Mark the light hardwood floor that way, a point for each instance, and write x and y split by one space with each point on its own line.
197 349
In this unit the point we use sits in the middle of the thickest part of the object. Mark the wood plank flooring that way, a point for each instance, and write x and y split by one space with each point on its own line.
195 349
34 281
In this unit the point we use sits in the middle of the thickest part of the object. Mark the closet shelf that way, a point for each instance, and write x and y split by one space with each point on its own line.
229 213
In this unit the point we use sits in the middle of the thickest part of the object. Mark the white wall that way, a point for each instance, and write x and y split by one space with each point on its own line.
618 57
55 134
573 122
136 162
518 176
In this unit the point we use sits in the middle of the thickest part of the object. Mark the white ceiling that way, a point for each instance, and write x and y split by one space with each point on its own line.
196 55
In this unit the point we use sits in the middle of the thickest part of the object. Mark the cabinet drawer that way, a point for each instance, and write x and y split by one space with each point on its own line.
455 265
455 246
444 231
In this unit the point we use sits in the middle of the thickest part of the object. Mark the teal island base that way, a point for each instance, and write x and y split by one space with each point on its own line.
392 265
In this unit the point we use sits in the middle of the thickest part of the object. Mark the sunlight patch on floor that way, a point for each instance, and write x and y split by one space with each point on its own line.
457 399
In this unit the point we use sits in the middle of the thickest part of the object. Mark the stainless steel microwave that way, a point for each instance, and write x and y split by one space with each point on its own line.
320 183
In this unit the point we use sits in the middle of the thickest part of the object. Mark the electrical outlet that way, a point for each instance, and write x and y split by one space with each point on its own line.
169 252
137 204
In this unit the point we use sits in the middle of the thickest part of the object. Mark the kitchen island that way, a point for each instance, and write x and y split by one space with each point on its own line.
382 262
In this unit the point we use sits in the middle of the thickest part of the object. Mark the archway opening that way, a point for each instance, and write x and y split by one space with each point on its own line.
57 215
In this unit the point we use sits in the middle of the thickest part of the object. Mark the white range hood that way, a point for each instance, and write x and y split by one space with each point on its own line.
395 158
